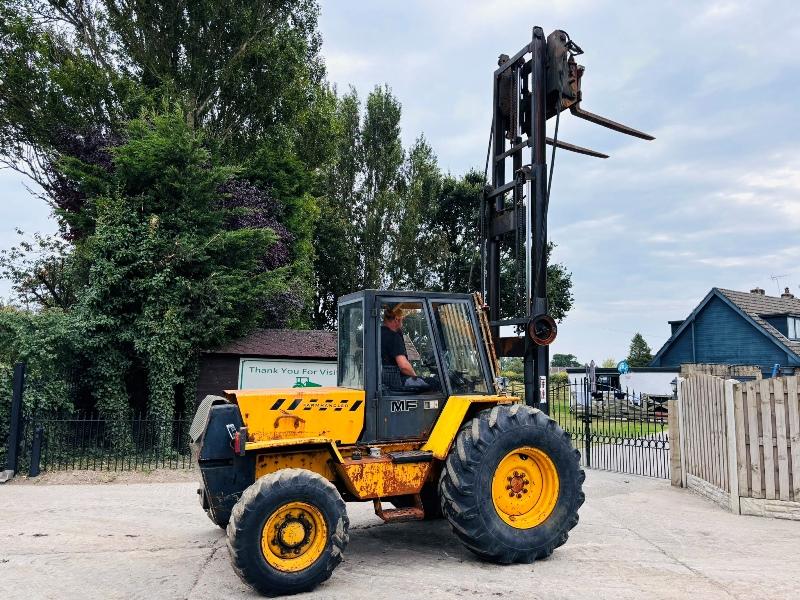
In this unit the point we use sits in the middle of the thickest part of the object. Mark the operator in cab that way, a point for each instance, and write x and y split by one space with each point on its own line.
393 349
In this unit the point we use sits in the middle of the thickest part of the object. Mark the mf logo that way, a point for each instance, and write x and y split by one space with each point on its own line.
403 405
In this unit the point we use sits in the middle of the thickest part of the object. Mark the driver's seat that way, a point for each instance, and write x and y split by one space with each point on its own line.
392 381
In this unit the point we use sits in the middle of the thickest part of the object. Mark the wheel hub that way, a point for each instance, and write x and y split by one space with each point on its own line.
525 487
293 532
294 536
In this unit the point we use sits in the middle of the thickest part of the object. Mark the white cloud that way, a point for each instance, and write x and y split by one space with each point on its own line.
347 66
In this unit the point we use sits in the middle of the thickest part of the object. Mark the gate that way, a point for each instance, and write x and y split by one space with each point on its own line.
615 430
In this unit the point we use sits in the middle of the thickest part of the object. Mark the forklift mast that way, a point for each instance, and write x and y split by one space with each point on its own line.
530 87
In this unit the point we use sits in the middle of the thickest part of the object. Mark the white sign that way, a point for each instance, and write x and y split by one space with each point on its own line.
542 389
260 373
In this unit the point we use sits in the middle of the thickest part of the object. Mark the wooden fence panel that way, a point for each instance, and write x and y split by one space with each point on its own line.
768 445
720 447
704 440
767 411
705 406
793 400
741 446
780 440
757 481
740 443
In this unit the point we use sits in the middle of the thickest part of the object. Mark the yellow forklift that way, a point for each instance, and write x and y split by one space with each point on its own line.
434 434
278 465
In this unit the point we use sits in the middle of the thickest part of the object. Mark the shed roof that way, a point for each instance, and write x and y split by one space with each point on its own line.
284 343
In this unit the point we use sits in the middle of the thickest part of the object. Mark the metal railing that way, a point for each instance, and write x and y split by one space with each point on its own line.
87 441
614 429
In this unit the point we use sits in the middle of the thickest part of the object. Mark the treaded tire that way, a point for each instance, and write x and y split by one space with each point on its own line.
465 485
258 503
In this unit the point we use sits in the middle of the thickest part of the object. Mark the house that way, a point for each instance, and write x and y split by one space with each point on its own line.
737 328
270 358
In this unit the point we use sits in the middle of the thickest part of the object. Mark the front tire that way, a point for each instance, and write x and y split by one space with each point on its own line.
287 532
512 485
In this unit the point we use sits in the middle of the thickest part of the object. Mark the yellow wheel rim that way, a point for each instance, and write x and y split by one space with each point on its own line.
294 537
525 488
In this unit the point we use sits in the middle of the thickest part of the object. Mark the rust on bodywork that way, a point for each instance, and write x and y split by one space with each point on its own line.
318 461
380 477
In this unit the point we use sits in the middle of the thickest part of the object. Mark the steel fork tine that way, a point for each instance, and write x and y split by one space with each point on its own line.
574 148
576 110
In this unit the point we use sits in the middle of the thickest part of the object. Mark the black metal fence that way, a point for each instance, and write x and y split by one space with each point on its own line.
83 440
87 441
615 430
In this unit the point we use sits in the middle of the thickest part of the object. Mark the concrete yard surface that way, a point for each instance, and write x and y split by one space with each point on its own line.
638 538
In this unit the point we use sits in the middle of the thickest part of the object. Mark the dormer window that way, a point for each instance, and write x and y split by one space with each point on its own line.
794 328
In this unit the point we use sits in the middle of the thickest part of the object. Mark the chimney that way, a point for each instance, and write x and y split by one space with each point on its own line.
787 294
757 290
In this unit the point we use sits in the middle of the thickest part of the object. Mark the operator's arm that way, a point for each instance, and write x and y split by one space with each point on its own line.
405 366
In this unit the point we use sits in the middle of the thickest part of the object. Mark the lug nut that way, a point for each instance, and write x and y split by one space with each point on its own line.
510 494
525 491
508 487
519 495
509 478
526 482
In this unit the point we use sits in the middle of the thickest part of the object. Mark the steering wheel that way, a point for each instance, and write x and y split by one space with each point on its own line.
428 360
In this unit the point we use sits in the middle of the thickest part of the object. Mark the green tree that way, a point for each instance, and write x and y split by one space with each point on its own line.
178 146
559 287
165 278
247 75
415 245
242 71
453 218
40 271
337 241
382 156
564 360
639 354
609 363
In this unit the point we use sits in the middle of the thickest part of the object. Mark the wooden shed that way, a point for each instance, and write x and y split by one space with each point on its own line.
269 358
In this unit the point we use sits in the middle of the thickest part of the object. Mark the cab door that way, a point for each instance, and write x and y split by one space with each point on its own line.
408 409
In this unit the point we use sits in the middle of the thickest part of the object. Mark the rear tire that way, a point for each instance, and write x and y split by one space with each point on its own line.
500 450
287 532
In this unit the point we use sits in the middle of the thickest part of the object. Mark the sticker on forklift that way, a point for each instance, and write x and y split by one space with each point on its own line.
431 404
403 405
542 389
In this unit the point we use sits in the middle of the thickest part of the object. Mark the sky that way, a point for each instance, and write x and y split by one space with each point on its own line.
713 201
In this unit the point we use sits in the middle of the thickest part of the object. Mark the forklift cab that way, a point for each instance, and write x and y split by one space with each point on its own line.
442 340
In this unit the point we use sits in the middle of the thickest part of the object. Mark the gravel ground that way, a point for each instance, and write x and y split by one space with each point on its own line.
638 538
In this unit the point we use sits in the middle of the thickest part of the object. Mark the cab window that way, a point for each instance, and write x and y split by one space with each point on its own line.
351 346
460 353
408 361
